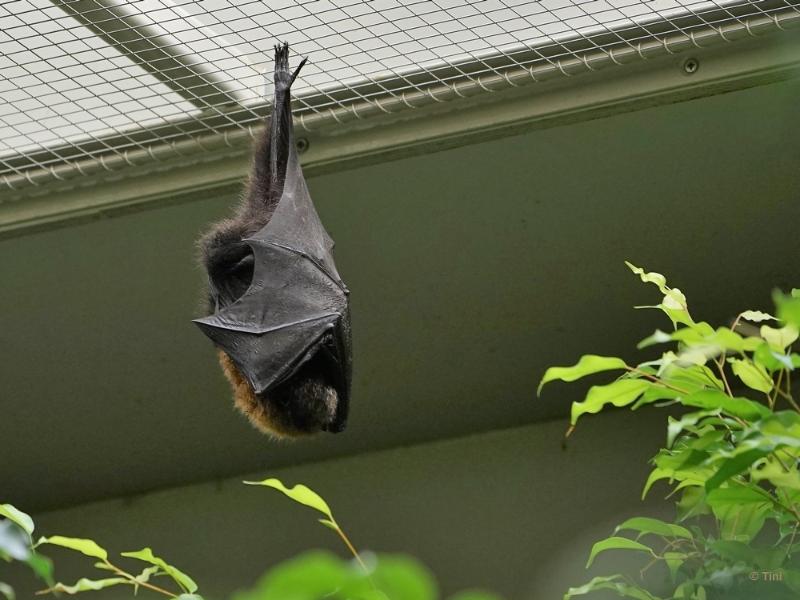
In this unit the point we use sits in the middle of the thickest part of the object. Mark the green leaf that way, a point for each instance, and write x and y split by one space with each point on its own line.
41 566
656 279
646 525
729 341
85 546
738 407
788 308
696 355
780 339
752 375
692 503
771 360
792 579
310 576
587 365
619 393
403 578
182 579
734 465
763 558
675 300
692 379
145 576
689 421
676 315
300 494
782 427
685 591
774 472
7 591
655 475
614 583
734 497
756 316
700 342
14 542
615 543
658 337
674 560
15 515
655 393
329 524
88 585
741 510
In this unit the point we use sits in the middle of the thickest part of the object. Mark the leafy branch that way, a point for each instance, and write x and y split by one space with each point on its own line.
731 458
158 567
308 497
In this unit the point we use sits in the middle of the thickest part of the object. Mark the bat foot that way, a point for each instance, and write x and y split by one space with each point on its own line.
282 57
284 77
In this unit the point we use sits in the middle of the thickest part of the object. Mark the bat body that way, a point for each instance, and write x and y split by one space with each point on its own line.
279 310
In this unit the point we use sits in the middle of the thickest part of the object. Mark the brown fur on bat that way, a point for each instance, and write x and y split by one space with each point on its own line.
266 416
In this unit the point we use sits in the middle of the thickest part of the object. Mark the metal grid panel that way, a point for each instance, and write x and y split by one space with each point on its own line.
98 80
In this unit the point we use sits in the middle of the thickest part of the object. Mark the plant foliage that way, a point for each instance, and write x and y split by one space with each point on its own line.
731 459
310 576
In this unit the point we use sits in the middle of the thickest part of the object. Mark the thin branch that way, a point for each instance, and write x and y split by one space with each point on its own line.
721 368
791 540
788 398
144 584
656 380
131 581
352 549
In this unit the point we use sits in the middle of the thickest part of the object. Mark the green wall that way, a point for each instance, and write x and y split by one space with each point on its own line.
509 510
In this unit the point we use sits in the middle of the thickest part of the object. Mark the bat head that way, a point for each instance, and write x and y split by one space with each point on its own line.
303 405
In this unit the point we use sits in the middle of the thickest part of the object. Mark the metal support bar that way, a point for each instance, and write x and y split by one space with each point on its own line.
126 27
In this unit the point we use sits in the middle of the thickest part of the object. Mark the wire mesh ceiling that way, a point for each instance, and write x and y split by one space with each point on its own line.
105 82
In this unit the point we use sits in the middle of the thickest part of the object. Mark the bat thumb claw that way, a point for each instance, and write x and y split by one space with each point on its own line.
297 70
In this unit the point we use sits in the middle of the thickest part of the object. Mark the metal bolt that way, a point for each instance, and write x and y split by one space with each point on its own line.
690 66
302 145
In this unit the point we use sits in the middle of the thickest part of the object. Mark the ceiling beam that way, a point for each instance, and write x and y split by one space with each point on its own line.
126 27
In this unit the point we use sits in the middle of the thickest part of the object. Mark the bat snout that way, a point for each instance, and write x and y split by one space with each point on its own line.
326 388
303 405
338 421
310 401
336 426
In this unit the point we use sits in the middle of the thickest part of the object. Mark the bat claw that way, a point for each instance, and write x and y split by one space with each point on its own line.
297 70
282 56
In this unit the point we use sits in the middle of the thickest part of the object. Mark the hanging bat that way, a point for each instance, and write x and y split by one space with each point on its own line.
279 310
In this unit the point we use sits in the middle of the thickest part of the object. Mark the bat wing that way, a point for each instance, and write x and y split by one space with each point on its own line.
295 224
280 352
291 307
296 304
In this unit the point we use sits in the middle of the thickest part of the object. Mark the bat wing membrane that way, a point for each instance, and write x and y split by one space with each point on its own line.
296 225
290 305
